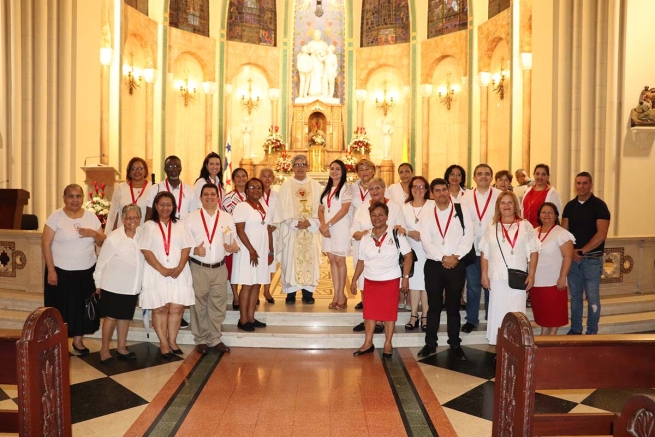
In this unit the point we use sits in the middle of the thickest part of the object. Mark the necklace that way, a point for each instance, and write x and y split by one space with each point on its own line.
204 223
167 241
143 189
378 241
419 211
477 209
443 234
512 243
179 204
258 207
545 236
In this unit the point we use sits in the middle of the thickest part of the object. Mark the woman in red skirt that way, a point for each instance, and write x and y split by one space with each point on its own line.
549 297
378 261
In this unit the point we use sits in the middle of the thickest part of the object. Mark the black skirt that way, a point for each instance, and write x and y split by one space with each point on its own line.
68 296
117 306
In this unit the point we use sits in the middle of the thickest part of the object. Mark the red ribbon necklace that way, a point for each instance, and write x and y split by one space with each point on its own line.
506 235
261 211
204 223
443 234
331 195
267 196
167 242
545 236
239 194
179 204
378 243
486 205
361 193
143 189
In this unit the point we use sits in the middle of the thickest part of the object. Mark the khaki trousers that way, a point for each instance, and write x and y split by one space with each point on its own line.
208 314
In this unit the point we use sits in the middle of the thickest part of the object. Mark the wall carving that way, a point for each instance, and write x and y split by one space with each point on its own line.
615 265
11 259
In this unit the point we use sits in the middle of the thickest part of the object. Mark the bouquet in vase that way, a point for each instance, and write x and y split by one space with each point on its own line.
360 142
283 163
274 141
317 138
350 161
98 204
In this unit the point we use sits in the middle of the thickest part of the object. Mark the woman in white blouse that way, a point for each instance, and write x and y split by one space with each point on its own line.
513 238
118 277
400 191
456 177
269 198
417 207
211 173
550 303
230 201
134 191
167 283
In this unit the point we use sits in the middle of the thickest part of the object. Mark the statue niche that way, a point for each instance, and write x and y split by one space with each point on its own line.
317 124
318 67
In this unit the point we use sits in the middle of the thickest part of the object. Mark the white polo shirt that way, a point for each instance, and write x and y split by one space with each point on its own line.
382 265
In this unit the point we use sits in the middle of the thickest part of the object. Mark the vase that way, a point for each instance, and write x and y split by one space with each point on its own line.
316 158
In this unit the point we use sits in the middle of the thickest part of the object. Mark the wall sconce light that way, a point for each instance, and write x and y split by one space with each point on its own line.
446 93
249 103
526 61
106 54
425 89
133 76
498 80
485 78
149 75
386 103
360 95
209 87
274 94
187 88
228 89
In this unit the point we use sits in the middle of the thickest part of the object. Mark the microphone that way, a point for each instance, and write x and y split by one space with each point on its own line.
92 157
152 177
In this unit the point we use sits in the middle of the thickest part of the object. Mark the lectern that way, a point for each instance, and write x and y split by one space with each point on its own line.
12 202
101 174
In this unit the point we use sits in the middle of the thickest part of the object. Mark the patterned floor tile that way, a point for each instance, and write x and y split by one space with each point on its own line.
100 397
480 363
147 355
613 399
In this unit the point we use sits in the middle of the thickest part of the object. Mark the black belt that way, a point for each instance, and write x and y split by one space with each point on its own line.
211 266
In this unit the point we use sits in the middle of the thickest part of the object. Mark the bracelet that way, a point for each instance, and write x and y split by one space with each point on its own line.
271 253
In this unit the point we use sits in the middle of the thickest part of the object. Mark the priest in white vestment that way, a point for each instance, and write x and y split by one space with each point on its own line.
299 246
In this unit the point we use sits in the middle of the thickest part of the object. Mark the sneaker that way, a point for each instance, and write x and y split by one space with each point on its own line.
184 324
459 353
359 328
468 327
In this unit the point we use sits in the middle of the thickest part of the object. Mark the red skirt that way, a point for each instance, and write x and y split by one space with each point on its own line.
381 300
550 306
228 265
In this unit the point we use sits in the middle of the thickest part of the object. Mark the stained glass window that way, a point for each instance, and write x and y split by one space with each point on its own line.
139 5
384 22
446 16
190 15
252 22
498 6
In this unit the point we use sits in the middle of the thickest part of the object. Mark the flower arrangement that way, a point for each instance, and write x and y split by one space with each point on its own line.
316 138
283 163
98 204
274 141
350 161
360 142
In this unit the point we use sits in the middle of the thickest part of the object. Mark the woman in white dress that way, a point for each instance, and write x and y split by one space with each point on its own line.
134 191
538 194
211 173
250 268
400 191
334 218
167 284
456 177
230 201
417 207
520 248
269 197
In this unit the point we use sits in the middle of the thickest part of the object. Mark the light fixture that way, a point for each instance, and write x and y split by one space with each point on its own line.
498 80
360 95
106 54
133 76
209 87
485 78
425 89
249 103
228 89
273 94
526 61
386 103
446 93
187 88
149 75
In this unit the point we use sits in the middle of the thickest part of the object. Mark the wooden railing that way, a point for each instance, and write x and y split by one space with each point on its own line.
525 364
36 360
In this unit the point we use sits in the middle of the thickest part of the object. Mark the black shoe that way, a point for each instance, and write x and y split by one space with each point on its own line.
257 304
468 327
258 324
184 324
387 354
177 351
459 353
107 361
308 300
528 302
359 352
248 327
83 351
291 298
270 300
359 328
359 306
426 351
379 328
235 306
167 356
126 357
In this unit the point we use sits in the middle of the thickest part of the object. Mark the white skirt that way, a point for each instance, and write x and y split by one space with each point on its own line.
159 290
502 300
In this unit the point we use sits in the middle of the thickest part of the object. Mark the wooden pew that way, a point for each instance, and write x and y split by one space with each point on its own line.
526 364
36 360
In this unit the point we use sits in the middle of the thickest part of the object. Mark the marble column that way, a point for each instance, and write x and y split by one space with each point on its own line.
426 91
526 61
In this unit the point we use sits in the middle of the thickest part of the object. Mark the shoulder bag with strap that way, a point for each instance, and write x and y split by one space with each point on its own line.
470 257
516 278
401 257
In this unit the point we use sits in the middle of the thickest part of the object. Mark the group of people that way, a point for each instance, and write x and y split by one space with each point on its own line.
171 245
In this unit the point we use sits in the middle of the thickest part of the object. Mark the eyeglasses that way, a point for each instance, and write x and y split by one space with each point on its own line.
419 187
254 187
300 165
132 218
375 188
459 175
137 168
172 167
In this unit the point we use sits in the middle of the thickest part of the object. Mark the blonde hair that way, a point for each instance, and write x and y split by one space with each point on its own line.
517 207
365 162
378 181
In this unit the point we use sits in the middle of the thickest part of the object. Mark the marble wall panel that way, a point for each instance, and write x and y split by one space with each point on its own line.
525 43
489 34
433 50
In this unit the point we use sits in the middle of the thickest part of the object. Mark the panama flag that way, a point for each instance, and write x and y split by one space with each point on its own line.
227 168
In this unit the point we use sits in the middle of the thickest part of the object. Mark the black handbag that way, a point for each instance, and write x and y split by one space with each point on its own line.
92 307
515 278
471 256
401 257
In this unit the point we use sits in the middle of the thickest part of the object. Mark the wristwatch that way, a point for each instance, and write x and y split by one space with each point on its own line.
329 224
405 276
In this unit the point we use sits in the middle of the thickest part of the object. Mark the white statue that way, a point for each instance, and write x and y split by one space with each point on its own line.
246 128
318 50
304 64
386 125
331 69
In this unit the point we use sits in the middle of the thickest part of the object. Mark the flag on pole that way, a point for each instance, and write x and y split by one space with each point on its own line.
227 168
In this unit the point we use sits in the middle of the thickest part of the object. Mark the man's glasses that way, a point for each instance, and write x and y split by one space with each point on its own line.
173 167
300 164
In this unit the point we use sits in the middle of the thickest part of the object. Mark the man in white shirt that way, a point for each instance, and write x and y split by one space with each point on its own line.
481 204
445 243
212 231
185 197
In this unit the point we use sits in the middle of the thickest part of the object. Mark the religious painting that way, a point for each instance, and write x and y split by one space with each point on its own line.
319 51
252 22
498 6
190 15
384 22
644 114
139 5
447 16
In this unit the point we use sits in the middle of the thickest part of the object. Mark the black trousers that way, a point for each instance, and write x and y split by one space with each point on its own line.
438 279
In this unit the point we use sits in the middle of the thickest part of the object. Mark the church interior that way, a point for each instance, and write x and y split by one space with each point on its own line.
86 85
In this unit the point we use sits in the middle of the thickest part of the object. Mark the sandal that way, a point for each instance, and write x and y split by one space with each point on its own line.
412 326
341 306
424 327
333 306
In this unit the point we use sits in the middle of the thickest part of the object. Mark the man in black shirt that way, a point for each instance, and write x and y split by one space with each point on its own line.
588 219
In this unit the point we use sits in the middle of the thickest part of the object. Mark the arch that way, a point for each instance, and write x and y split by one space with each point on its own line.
486 52
385 22
261 69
